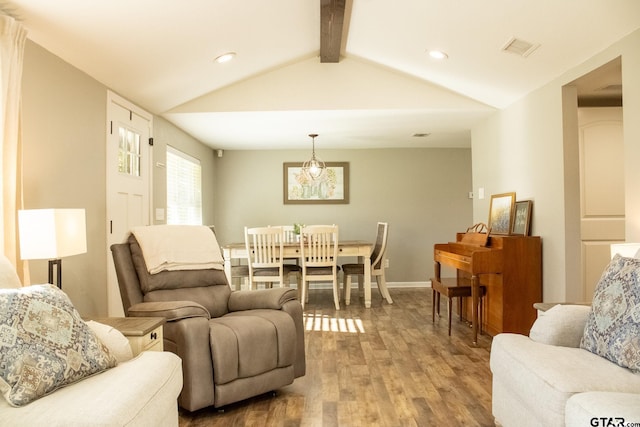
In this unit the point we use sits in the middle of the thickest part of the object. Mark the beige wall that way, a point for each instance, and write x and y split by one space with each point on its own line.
164 133
64 125
64 113
422 193
522 148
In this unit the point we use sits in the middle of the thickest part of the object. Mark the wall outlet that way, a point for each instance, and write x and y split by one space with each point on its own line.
386 263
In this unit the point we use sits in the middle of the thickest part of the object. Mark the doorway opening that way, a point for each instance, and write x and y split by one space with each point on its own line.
598 144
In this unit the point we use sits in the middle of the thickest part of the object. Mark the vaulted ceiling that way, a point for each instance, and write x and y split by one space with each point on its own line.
383 89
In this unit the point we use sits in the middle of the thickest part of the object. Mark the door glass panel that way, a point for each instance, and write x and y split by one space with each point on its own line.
129 157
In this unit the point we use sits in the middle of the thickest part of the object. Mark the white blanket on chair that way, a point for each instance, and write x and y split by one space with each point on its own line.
178 247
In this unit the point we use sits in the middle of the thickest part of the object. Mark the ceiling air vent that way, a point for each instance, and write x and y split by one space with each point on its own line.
519 47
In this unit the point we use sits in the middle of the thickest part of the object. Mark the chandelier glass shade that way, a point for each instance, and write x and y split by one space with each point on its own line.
313 168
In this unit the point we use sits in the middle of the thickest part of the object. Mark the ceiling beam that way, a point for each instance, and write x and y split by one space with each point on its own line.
331 22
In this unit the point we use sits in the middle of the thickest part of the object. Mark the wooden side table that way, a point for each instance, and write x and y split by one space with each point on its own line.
143 333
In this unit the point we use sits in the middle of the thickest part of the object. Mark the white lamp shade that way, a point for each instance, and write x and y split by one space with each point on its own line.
628 250
52 233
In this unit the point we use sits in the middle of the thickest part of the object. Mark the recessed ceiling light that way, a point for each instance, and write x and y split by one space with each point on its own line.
225 57
438 54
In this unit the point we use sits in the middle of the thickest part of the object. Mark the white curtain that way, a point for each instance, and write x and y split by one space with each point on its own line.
12 41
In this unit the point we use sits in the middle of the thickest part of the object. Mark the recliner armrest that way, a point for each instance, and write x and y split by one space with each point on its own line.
170 310
262 298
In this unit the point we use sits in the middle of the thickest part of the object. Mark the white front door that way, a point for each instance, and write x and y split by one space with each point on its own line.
128 181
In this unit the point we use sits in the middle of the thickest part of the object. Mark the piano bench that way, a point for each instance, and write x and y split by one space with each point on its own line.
452 287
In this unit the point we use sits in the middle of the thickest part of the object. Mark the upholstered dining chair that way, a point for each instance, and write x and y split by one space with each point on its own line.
265 262
377 267
319 255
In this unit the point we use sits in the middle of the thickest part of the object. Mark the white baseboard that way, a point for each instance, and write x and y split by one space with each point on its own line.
327 285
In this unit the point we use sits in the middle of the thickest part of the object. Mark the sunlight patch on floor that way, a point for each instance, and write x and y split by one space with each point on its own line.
324 323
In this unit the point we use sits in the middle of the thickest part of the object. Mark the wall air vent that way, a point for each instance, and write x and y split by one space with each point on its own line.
519 47
420 135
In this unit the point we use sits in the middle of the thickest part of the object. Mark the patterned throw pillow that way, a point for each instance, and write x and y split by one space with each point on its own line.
44 344
613 326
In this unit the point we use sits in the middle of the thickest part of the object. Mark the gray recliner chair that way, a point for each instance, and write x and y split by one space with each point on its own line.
233 344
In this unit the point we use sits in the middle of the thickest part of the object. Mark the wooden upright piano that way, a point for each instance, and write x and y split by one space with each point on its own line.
510 267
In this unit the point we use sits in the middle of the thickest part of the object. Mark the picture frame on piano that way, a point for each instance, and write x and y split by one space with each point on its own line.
522 218
501 212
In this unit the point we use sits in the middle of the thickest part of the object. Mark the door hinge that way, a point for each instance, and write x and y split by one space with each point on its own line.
110 227
151 142
111 127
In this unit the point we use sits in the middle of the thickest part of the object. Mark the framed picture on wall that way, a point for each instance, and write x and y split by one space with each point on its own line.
331 188
522 218
501 213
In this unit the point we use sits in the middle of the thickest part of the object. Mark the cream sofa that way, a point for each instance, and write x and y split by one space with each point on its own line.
140 391
545 379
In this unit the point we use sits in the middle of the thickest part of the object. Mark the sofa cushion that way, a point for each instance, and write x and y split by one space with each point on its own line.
561 325
214 298
613 327
617 409
139 393
542 377
115 340
44 344
250 343
209 287
176 279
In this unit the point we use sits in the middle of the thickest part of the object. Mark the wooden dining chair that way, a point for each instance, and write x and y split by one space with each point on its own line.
289 233
239 276
319 256
377 267
265 262
291 264
239 272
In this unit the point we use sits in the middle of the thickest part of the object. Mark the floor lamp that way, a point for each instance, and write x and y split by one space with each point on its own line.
52 234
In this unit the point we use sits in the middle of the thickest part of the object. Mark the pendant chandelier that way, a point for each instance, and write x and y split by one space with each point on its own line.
313 168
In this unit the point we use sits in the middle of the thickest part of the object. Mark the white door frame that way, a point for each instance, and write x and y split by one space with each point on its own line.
114 305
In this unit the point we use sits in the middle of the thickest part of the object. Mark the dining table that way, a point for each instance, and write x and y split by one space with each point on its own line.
291 250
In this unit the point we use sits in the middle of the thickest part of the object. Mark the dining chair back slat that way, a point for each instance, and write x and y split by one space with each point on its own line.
264 249
319 255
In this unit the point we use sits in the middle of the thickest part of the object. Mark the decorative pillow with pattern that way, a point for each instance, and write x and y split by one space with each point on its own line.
44 344
613 326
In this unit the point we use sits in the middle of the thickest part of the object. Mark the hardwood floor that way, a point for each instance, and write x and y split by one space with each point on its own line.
384 366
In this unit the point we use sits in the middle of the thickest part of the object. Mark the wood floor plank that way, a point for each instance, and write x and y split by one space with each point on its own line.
385 366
